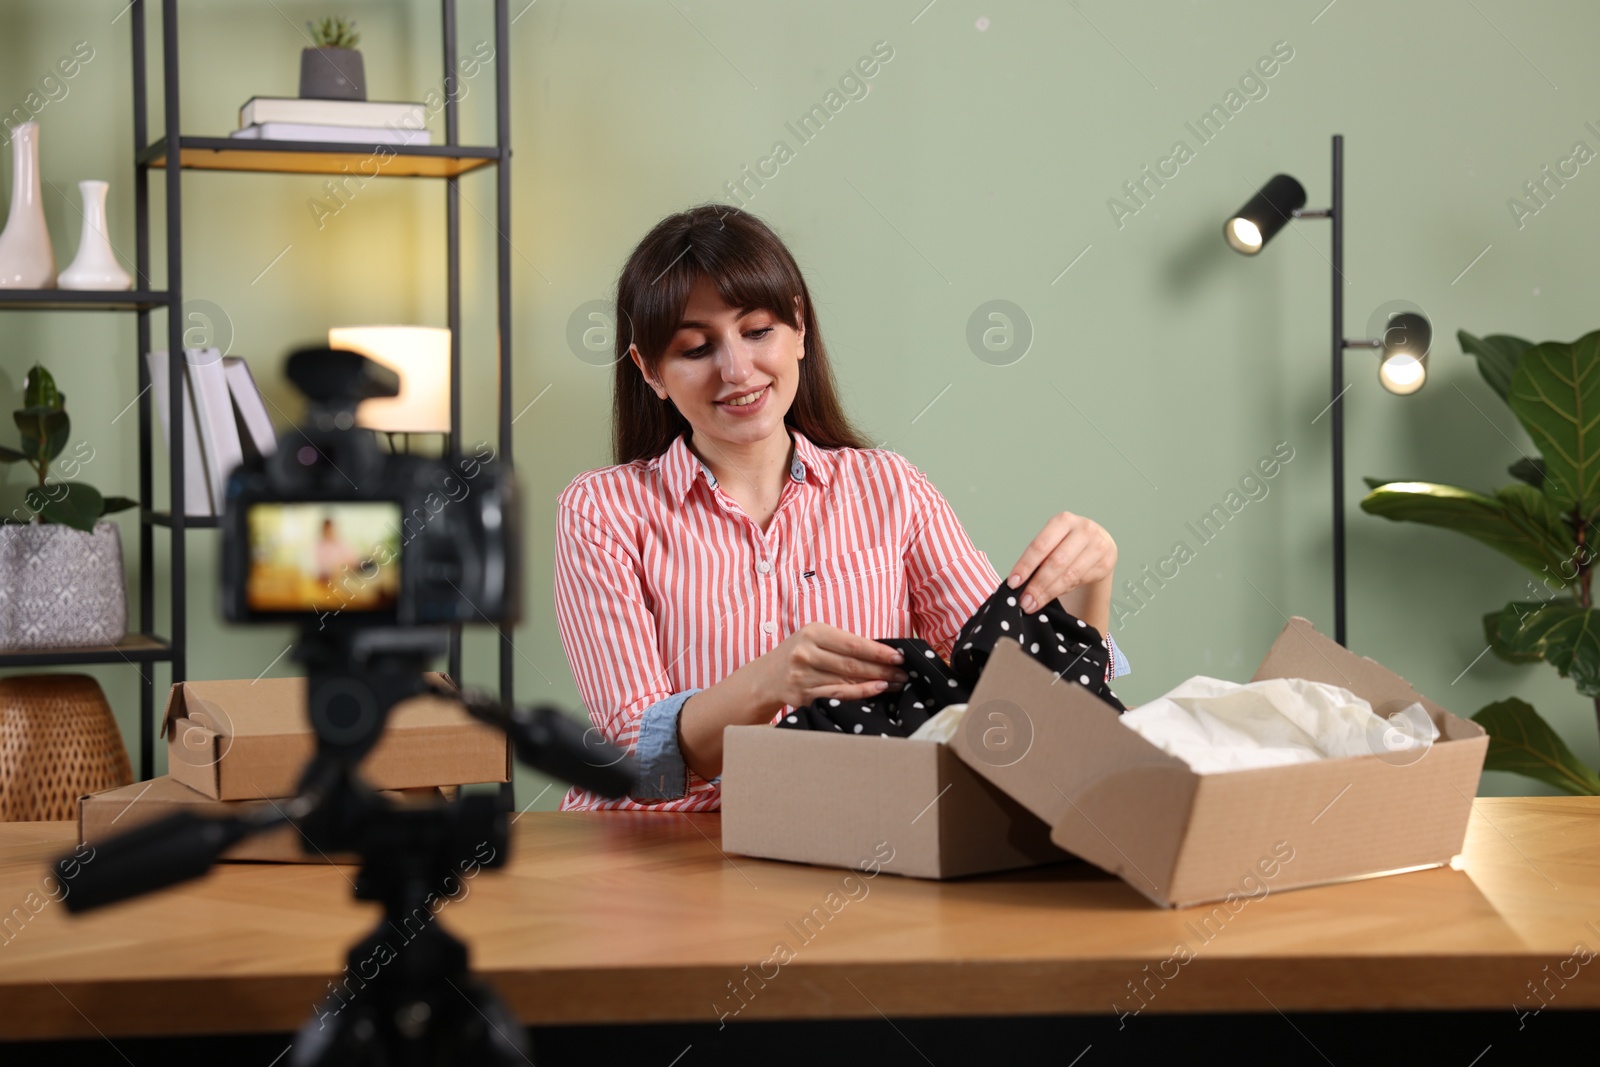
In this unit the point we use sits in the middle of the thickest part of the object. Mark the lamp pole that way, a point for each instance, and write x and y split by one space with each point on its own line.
1336 218
1334 213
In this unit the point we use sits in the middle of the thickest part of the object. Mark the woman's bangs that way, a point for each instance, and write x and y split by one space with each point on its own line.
763 284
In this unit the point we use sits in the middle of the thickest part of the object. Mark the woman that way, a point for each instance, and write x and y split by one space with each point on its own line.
749 545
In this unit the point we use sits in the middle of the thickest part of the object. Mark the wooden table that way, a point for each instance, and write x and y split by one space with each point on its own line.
604 917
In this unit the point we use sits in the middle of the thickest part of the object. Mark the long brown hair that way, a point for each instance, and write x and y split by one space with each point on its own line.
750 268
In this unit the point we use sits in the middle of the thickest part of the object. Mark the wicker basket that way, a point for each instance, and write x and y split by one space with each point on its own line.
58 741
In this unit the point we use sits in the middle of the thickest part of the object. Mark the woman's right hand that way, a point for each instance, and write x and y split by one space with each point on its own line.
817 660
821 661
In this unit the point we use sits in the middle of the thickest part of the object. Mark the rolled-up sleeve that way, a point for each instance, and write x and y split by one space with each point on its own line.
1117 666
661 774
608 633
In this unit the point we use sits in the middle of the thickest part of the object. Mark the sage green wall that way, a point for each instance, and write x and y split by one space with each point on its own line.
978 166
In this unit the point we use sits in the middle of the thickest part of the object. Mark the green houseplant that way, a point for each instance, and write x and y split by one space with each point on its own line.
332 69
45 426
1546 522
61 582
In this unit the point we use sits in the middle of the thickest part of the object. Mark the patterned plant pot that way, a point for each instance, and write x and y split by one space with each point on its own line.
60 587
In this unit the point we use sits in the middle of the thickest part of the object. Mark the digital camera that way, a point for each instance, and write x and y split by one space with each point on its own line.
331 531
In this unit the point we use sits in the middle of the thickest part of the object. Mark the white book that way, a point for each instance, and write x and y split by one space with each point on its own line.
219 434
218 438
365 135
197 499
261 109
256 430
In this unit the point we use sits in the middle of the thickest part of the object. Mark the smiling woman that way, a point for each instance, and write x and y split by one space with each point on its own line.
747 548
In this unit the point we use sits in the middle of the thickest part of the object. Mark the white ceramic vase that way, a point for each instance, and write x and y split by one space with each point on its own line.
95 266
26 258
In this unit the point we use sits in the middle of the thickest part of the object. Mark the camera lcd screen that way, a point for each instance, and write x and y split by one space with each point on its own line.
324 556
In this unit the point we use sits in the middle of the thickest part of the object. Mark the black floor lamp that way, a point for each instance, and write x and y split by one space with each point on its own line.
1403 348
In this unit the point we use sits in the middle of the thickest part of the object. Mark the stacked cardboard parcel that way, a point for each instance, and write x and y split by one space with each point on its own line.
232 745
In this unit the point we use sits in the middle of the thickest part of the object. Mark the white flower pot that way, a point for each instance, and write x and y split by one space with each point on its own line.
60 587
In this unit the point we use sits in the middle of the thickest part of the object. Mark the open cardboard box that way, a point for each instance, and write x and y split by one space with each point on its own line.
910 807
244 740
1110 796
106 814
1182 838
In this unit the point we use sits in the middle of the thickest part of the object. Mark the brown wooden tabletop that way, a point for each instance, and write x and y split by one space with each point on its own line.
609 917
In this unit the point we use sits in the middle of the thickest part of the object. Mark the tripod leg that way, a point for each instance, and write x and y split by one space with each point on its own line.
421 1008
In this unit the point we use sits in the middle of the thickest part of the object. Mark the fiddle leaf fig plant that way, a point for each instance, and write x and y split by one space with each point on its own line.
44 425
1546 522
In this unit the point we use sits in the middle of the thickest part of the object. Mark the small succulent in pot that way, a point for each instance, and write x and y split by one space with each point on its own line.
333 69
45 426
335 31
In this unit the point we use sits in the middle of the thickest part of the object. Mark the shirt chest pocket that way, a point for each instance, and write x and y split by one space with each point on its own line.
862 592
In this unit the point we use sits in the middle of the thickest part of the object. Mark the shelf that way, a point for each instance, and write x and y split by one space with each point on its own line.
135 648
323 157
80 300
190 522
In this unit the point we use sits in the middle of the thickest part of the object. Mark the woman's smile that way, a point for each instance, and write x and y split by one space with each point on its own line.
746 403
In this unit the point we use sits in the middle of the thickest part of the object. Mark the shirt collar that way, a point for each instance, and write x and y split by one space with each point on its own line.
810 463
680 467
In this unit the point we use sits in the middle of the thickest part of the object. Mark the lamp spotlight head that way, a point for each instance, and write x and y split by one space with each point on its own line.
1274 204
1403 366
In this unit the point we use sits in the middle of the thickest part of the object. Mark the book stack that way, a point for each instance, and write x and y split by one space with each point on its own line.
366 122
224 420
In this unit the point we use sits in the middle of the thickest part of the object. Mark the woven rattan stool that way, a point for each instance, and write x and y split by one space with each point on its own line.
58 741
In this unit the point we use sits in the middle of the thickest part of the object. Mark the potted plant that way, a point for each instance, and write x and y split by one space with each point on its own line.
333 69
61 582
1546 521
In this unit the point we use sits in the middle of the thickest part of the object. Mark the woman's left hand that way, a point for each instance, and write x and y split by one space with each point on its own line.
1070 551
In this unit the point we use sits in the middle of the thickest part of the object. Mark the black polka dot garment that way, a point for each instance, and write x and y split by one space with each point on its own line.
1062 642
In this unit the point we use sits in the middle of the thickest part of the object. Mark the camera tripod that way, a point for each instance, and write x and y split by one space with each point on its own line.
407 998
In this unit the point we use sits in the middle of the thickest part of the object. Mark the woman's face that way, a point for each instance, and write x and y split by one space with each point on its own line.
722 354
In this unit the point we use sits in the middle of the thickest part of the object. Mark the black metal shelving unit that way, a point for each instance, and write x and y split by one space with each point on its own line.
447 162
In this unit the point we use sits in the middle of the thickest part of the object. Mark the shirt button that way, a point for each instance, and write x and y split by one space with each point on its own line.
764 567
769 627
798 471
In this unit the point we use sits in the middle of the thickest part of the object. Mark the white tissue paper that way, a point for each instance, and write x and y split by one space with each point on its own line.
1215 725
942 727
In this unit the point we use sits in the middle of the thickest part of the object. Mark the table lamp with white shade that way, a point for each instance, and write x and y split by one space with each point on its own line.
420 355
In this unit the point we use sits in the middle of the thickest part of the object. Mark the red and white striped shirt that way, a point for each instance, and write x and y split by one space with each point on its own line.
664 586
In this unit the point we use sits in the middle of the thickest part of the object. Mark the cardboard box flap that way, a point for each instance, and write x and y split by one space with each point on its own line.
266 706
1132 823
1299 651
1041 740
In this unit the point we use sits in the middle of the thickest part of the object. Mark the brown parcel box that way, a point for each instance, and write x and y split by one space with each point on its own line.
838 800
103 815
1183 838
243 740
